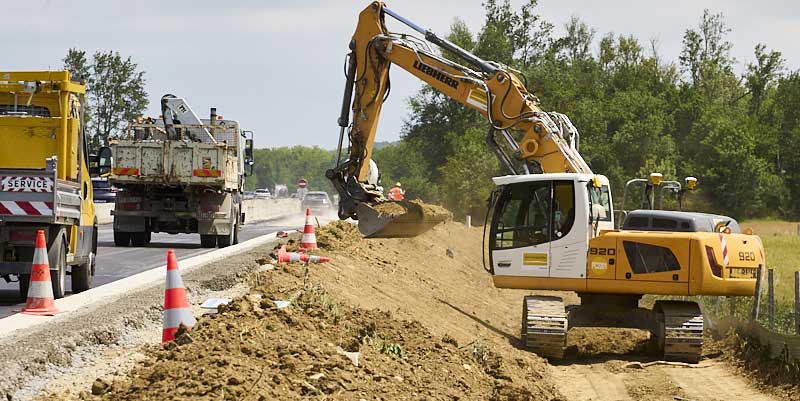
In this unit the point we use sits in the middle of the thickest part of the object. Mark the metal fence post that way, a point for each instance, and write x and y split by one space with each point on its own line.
798 230
771 298
757 298
797 303
469 221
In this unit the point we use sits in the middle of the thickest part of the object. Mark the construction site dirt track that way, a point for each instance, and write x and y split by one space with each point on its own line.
427 324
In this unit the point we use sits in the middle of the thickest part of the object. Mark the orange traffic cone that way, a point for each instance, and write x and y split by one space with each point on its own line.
40 291
309 240
176 306
289 257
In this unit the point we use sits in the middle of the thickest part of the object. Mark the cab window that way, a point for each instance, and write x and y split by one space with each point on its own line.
522 215
563 208
601 202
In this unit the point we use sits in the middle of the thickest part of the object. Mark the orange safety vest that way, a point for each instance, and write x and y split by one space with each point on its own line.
396 194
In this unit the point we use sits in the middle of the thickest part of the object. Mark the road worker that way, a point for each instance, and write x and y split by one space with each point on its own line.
397 193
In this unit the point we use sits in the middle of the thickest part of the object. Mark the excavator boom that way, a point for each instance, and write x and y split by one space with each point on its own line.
549 141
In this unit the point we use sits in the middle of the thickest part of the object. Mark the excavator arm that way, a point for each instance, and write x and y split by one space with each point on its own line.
548 144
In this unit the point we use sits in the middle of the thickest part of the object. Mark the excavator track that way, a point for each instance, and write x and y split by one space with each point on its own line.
679 330
544 326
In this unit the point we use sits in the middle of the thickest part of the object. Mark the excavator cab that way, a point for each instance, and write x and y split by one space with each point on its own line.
540 223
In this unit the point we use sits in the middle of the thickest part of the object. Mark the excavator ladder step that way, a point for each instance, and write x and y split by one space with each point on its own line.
544 326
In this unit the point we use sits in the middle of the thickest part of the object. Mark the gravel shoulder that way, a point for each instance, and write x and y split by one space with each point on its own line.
72 352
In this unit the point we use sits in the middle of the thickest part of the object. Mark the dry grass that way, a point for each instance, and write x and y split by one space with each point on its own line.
782 248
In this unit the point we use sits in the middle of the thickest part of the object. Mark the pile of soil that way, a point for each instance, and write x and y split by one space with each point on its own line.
594 342
431 211
253 350
423 315
389 209
417 206
338 235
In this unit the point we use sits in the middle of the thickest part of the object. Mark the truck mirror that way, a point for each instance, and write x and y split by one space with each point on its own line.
248 149
104 160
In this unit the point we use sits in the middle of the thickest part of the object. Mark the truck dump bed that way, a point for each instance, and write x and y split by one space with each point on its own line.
147 157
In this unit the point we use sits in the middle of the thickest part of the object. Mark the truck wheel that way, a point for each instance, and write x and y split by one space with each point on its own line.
58 267
82 275
24 283
139 239
208 241
225 240
228 239
121 238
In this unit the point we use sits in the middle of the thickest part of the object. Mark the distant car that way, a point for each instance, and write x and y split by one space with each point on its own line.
249 195
102 191
262 193
317 201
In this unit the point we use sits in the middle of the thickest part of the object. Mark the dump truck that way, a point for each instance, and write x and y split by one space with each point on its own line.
45 183
179 174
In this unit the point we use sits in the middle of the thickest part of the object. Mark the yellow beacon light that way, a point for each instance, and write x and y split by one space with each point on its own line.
655 178
691 182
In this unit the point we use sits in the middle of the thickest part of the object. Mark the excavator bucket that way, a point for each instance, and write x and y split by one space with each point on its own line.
399 219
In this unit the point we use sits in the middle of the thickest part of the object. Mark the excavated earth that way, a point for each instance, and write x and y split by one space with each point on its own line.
426 324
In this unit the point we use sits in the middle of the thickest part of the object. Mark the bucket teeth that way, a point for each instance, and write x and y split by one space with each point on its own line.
679 330
544 326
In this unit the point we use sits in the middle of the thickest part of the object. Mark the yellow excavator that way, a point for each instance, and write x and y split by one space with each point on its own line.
552 221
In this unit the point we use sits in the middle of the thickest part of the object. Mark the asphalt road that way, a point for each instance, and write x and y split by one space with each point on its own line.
115 263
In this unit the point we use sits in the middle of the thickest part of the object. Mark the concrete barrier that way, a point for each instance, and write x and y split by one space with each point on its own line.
265 209
254 210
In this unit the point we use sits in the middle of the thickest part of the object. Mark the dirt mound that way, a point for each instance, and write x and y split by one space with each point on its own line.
389 209
254 350
416 206
337 235
590 342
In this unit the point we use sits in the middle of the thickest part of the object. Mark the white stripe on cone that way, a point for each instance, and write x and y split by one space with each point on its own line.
174 279
40 289
174 317
40 257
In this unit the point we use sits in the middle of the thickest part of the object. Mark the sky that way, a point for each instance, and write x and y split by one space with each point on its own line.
276 66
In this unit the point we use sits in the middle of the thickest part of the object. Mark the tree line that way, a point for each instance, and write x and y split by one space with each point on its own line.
637 113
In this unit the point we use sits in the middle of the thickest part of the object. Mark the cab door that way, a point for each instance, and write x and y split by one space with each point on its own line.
520 235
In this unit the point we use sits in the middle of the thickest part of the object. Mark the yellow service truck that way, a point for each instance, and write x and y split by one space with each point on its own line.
44 179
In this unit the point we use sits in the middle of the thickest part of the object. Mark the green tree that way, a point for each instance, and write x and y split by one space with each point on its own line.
115 91
77 64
